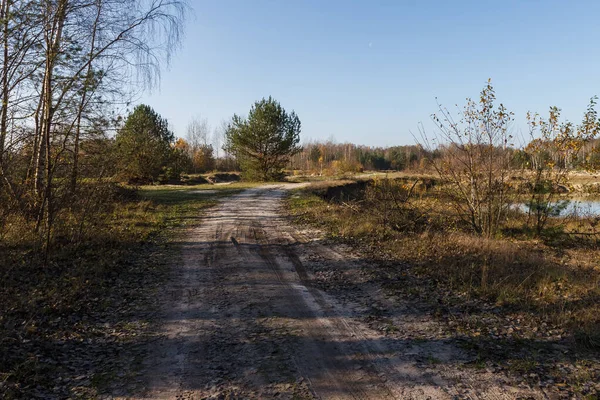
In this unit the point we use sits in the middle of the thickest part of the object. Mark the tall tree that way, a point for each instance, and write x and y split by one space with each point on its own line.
201 151
63 65
144 145
264 142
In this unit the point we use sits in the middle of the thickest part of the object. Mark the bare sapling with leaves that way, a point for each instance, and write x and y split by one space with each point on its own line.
474 163
552 149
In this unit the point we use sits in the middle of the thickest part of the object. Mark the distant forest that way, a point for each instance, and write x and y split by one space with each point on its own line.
326 158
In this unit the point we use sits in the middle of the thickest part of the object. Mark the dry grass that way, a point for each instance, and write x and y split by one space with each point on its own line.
69 325
556 277
583 178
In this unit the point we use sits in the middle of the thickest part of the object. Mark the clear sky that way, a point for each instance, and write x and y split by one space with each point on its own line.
368 72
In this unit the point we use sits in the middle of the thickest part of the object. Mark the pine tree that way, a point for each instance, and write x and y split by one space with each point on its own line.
264 142
144 145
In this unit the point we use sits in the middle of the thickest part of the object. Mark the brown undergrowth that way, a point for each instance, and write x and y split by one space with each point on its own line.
510 297
557 276
71 326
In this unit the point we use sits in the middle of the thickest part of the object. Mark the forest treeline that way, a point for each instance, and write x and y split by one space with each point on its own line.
327 158
330 158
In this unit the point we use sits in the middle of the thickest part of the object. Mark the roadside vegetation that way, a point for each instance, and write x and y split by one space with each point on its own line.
479 236
523 303
555 276
73 325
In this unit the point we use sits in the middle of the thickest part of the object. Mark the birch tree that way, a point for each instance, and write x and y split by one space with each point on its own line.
65 64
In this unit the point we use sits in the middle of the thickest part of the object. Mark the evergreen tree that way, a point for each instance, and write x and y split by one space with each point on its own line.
264 142
144 145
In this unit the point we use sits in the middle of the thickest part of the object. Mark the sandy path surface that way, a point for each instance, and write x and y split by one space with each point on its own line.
242 319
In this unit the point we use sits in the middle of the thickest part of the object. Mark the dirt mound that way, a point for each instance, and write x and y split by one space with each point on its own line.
223 177
194 180
355 190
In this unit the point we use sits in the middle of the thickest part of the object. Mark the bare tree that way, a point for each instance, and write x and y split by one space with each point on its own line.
551 149
217 141
201 151
475 164
198 132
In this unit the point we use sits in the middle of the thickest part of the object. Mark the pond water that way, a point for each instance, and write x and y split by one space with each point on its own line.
573 207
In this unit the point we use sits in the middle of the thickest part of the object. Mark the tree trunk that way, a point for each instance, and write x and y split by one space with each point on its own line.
82 104
44 168
4 16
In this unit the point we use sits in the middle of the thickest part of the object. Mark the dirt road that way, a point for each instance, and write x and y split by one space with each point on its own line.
244 318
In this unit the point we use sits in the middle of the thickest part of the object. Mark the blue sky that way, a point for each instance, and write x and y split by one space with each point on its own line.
368 72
